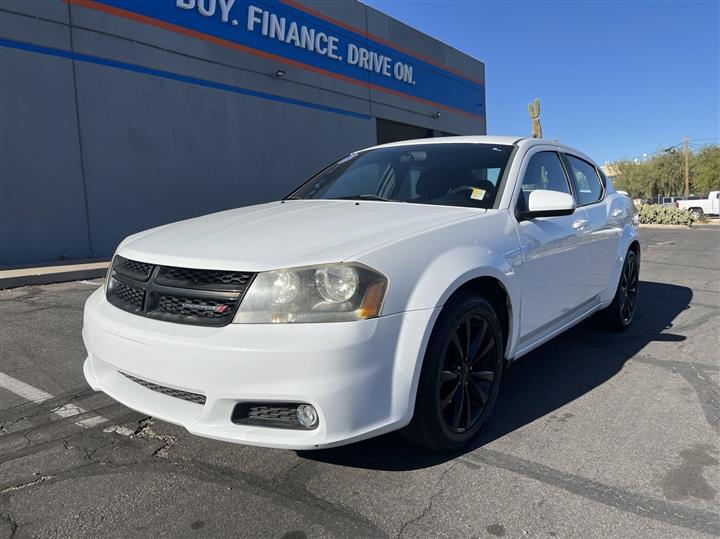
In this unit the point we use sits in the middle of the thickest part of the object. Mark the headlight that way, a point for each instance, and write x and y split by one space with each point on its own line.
332 293
337 283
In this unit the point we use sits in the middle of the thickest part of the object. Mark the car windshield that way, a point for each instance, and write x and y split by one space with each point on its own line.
455 174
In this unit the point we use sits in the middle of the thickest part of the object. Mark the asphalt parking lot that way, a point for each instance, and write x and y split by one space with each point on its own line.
595 434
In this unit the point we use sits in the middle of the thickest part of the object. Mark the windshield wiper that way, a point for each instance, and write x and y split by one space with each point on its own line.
294 197
367 197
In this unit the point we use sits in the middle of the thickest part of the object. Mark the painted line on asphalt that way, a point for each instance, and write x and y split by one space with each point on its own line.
33 394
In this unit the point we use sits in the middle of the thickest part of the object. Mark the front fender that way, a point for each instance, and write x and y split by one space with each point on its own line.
628 237
447 273
425 270
438 281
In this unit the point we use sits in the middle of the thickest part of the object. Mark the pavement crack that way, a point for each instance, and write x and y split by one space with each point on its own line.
142 424
286 477
11 522
145 430
625 500
706 391
21 486
438 492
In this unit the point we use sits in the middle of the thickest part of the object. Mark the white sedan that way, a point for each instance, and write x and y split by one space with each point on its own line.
388 292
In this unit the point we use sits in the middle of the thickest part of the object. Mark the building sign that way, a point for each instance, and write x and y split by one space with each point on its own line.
294 32
297 34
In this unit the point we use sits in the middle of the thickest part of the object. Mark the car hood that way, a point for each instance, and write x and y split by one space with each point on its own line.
287 234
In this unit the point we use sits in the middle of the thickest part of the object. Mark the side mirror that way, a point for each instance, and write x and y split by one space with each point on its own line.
544 203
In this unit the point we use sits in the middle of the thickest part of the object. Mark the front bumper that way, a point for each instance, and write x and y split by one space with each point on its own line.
360 376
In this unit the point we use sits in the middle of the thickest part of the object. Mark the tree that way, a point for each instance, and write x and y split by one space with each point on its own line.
705 170
629 176
664 173
667 173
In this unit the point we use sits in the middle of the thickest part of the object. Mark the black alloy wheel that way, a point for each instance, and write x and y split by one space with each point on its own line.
460 376
628 288
620 313
467 373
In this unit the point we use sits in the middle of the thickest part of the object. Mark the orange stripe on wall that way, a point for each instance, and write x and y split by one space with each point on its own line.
379 39
91 4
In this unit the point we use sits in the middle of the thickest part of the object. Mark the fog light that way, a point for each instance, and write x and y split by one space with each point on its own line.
307 416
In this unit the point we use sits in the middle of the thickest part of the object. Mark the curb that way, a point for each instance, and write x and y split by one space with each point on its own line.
53 274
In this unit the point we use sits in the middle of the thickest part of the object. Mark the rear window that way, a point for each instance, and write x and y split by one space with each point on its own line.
588 188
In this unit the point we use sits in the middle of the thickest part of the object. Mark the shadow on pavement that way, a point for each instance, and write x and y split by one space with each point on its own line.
539 383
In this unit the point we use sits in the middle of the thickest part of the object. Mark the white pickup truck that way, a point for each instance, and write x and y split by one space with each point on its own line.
702 206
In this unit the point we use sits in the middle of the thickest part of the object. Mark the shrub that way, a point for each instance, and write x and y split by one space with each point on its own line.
659 215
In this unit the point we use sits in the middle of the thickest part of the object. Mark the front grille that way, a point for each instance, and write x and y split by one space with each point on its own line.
169 391
193 278
128 297
182 295
133 269
268 414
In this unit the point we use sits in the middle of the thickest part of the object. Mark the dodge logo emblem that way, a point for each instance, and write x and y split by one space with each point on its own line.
218 309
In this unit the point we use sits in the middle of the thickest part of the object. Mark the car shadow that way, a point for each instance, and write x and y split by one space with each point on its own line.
539 383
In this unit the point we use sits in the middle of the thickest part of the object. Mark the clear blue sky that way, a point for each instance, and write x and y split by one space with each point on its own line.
615 78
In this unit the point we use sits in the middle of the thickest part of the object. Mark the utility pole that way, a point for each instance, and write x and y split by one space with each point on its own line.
687 170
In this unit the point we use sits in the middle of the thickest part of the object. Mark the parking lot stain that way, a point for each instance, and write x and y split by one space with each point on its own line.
687 481
564 418
498 530
197 525
294 534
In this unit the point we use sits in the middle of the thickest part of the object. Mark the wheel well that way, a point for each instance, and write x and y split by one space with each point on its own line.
492 290
635 248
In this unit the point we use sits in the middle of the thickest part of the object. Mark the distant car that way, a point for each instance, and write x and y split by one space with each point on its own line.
700 207
389 291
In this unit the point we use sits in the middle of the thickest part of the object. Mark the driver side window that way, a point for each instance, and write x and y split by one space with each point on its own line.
544 171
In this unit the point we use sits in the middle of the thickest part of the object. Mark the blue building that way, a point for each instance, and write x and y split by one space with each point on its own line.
121 115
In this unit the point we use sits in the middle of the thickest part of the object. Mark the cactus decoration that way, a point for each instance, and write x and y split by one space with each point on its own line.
534 110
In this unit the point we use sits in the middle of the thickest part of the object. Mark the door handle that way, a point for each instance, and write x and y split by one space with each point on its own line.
580 224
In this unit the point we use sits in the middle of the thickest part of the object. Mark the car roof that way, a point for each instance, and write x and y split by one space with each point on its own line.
524 142
472 139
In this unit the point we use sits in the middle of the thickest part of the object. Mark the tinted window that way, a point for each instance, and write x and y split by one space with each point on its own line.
586 181
457 174
371 178
544 171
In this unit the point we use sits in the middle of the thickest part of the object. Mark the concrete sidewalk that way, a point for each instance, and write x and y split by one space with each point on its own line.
13 278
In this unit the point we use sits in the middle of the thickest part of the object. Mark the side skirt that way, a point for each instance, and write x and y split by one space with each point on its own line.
554 328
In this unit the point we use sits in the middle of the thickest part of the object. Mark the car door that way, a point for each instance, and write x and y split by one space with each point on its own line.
605 222
555 252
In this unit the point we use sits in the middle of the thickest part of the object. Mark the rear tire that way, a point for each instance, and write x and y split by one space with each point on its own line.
460 376
696 214
619 315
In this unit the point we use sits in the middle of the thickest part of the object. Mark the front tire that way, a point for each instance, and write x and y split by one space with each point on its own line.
619 315
460 376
